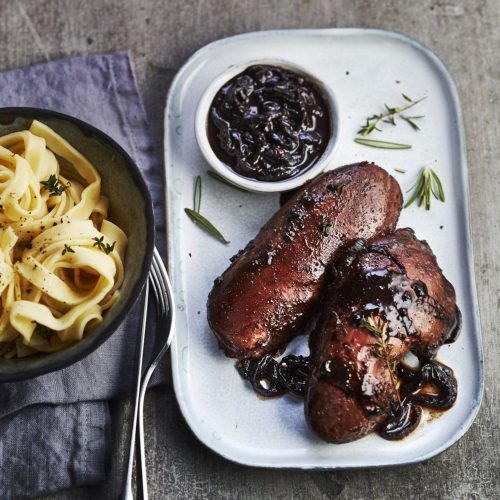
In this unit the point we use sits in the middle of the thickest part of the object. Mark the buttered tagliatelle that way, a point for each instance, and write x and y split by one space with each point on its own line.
61 260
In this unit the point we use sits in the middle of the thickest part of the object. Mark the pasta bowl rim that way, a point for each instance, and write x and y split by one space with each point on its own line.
22 369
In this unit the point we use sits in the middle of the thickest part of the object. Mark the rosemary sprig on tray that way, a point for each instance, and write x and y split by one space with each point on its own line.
373 122
197 195
427 185
381 144
205 224
195 216
219 178
54 186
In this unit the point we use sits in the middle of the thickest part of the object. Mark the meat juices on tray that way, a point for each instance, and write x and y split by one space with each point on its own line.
267 294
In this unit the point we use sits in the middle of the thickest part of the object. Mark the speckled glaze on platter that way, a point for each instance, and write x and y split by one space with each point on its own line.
364 68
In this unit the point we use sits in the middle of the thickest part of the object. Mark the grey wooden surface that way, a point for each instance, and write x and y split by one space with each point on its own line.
162 34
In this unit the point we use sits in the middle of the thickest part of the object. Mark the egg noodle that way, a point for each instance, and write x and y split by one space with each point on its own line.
61 260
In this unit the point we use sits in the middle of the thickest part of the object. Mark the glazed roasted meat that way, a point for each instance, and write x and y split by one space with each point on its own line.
267 294
389 297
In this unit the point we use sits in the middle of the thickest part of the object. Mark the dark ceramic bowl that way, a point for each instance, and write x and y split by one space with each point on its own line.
130 208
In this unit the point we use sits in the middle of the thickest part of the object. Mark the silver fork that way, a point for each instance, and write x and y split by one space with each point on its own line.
165 329
158 279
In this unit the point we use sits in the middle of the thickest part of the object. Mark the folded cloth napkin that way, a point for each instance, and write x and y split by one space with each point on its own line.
55 429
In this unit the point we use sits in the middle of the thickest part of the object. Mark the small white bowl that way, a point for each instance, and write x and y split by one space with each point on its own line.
250 184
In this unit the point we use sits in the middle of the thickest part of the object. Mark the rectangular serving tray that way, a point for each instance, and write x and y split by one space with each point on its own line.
364 68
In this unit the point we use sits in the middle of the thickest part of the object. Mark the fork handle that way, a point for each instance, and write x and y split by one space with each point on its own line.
127 493
166 321
141 456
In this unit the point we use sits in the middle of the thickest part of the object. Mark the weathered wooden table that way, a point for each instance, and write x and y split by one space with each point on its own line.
162 34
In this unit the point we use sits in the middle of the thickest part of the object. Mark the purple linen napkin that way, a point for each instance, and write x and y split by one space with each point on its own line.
55 429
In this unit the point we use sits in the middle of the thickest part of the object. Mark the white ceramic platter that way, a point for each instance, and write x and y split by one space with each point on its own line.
365 68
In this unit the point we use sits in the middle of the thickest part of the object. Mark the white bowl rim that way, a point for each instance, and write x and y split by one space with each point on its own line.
246 182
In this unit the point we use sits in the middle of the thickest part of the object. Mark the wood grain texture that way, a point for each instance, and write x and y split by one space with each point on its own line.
162 35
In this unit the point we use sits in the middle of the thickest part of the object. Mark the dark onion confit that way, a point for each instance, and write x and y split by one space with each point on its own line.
271 378
414 389
274 378
268 123
403 419
434 385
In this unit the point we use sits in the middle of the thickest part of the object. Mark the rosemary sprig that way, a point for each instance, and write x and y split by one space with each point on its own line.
54 186
382 348
196 217
378 328
219 178
105 247
411 121
67 249
373 121
43 331
381 144
197 195
427 185
205 224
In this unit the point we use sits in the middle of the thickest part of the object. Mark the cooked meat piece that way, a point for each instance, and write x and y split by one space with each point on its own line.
390 297
266 295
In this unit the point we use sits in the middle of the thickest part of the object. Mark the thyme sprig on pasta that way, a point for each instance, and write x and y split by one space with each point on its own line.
54 186
43 331
67 249
105 247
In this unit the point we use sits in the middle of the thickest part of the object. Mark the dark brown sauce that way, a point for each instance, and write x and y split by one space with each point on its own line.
385 293
269 123
390 295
